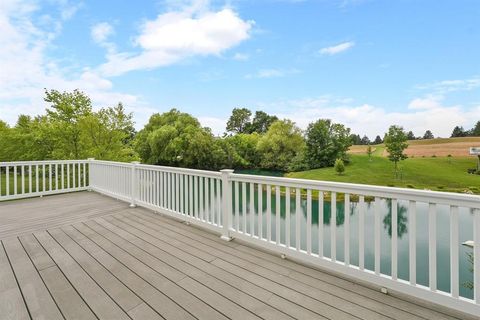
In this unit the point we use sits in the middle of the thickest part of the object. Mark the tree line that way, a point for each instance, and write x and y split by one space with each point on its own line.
71 129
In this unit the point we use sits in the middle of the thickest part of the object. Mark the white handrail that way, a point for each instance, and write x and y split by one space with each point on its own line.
24 179
249 208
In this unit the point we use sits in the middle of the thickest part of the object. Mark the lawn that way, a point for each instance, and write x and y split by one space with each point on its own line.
433 173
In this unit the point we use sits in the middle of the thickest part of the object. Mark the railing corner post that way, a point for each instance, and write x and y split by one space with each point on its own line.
226 204
134 184
90 160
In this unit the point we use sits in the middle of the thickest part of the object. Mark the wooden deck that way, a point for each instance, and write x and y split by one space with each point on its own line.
87 256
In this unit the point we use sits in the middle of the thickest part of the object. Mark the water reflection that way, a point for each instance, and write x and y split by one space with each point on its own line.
402 220
385 207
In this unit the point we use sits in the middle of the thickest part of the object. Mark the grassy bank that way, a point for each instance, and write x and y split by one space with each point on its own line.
437 173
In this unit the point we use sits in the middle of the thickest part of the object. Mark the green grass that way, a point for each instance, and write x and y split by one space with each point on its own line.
417 173
3 180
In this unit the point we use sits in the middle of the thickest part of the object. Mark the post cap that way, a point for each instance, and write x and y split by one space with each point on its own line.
90 159
227 171
135 162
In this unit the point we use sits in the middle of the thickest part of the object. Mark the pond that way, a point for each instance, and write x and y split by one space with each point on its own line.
442 229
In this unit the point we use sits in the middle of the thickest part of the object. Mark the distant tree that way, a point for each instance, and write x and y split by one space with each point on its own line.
476 130
280 145
355 139
458 132
246 147
65 112
365 140
428 135
239 121
107 134
339 166
326 142
410 135
174 138
378 140
369 152
395 144
261 122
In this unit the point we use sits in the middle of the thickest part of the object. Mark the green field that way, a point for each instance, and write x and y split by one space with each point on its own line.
437 173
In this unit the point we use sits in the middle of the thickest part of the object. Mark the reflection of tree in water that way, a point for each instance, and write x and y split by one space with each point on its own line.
402 219
340 216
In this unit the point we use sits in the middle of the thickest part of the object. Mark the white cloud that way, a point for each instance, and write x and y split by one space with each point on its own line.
218 125
241 56
337 48
176 35
271 73
448 86
26 68
426 103
101 31
373 120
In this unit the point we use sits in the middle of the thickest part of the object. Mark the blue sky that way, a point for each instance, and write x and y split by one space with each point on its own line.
367 64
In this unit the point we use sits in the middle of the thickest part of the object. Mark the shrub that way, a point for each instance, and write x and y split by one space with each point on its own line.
411 186
339 166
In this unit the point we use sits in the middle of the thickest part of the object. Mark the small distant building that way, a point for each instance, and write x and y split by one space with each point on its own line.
475 151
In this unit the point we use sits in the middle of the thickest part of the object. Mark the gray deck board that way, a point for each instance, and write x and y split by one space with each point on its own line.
39 301
86 256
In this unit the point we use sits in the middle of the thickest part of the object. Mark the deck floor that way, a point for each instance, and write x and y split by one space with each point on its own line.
87 256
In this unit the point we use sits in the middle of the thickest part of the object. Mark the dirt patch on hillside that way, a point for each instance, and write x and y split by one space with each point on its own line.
456 149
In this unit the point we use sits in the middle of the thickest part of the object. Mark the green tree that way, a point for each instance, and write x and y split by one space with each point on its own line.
176 139
428 135
378 140
356 140
239 121
326 142
339 166
365 140
280 145
410 135
246 147
458 132
107 134
65 112
261 122
395 144
369 152
476 130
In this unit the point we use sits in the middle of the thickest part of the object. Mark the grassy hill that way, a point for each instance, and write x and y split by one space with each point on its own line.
420 171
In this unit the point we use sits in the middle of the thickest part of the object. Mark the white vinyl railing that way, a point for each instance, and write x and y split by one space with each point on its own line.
340 227
25 179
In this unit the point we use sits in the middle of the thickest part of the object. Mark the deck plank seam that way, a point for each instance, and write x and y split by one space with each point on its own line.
141 300
175 282
131 269
281 284
40 276
273 293
166 253
16 280
87 273
68 280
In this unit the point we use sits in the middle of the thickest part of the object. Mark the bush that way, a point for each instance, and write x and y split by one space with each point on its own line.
339 166
411 186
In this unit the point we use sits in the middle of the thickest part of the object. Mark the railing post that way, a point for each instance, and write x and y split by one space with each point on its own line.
226 204
134 184
90 161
